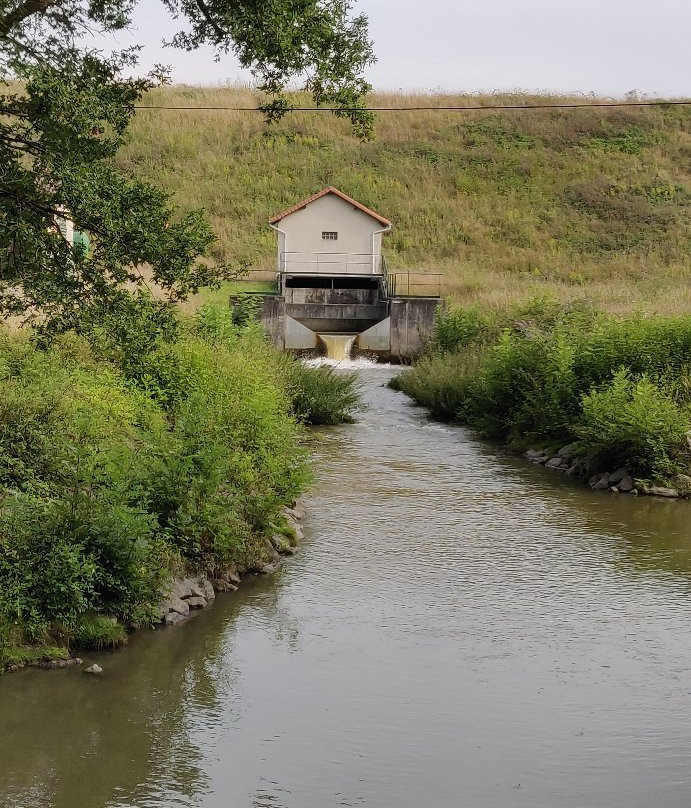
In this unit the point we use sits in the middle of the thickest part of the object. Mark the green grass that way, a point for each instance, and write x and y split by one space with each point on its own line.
570 203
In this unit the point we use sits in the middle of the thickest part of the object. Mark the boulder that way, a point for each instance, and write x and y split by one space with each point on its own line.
172 618
535 454
176 604
682 482
659 491
577 469
271 552
626 485
617 476
280 543
554 463
196 603
297 510
194 587
568 451
59 663
180 589
601 484
229 574
269 569
207 589
221 585
94 670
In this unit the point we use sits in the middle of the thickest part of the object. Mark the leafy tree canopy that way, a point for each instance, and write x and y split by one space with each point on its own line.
65 108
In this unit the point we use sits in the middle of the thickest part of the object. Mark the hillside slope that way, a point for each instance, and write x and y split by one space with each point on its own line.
580 202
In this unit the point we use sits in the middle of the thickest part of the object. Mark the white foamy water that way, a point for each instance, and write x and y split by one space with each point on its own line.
361 363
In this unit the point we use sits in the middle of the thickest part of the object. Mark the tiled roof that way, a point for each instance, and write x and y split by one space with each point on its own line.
324 192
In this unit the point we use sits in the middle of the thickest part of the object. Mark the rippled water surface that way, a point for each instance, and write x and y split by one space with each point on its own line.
458 630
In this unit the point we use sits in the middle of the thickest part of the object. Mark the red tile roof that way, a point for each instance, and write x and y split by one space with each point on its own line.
324 192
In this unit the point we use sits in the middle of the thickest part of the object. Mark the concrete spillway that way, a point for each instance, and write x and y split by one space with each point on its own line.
308 308
338 346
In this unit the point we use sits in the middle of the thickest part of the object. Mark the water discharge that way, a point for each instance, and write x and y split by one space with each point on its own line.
338 346
460 629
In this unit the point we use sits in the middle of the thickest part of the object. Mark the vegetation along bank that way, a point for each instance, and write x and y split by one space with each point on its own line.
129 478
602 398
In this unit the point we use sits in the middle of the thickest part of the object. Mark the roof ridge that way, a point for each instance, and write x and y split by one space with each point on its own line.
330 189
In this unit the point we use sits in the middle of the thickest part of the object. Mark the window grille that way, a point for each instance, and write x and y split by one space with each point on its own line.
329 235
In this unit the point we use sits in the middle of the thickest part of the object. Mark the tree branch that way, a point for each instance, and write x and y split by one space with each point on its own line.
26 9
206 13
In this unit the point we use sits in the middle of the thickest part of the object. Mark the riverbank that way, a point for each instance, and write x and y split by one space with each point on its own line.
123 471
185 596
577 390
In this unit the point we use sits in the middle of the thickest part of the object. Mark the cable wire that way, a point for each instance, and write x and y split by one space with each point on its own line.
585 105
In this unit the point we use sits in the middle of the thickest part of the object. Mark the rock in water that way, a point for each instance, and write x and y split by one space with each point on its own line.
94 669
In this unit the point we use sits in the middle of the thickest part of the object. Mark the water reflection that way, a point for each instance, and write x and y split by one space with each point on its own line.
461 628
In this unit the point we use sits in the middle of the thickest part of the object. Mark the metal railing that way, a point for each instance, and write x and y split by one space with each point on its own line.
329 263
414 284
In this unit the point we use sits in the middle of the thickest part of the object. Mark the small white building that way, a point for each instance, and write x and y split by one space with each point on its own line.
329 234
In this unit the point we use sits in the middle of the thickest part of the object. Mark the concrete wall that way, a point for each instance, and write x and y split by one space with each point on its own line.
324 296
412 323
301 238
397 328
273 314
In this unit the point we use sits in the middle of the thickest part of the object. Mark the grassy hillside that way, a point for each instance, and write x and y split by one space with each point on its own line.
573 203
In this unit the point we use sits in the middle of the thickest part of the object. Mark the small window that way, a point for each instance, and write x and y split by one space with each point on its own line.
329 235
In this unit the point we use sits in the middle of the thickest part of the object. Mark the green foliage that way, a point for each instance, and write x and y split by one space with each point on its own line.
65 110
561 373
442 383
634 423
322 395
95 632
458 328
111 474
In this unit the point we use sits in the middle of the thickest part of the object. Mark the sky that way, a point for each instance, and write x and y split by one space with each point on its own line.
609 47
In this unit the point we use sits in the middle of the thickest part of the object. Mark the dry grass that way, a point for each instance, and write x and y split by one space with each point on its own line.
571 203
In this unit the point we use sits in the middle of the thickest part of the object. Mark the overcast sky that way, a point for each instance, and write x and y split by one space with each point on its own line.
606 46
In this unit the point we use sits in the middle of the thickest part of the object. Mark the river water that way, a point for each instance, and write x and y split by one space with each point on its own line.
459 629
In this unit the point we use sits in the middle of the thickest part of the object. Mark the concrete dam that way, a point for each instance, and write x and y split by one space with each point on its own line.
332 280
308 310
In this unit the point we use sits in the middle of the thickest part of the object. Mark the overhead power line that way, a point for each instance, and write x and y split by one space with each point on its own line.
587 104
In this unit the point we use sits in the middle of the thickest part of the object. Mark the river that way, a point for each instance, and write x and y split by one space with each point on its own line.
459 629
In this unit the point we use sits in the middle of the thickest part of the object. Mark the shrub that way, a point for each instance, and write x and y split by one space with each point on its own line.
634 423
112 474
95 632
322 395
557 373
443 384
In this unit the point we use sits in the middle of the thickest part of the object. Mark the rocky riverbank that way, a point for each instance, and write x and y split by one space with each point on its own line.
619 481
188 594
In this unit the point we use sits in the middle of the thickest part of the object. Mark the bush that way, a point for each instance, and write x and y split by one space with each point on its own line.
95 632
443 384
560 373
634 423
113 474
322 395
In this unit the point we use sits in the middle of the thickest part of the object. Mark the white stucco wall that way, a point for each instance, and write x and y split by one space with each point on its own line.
303 249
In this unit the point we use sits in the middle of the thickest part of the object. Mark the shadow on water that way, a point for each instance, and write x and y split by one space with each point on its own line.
460 628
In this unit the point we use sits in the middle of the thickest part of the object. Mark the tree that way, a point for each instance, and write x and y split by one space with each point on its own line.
64 110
